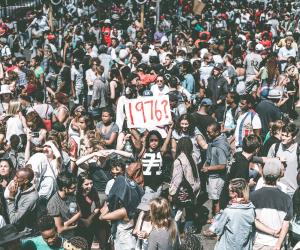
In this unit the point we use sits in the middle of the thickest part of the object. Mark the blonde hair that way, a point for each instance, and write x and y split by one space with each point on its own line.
14 107
160 214
240 186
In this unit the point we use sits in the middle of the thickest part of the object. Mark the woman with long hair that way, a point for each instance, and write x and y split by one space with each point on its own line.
16 122
37 128
185 127
185 180
268 75
89 204
164 235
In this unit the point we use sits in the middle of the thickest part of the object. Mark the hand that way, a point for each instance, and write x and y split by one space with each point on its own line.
277 247
127 137
13 189
205 169
276 233
104 210
170 198
97 211
252 183
219 101
103 153
142 235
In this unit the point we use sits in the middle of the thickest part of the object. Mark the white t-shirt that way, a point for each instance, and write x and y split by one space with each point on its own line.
14 127
245 125
157 92
90 77
2 221
261 183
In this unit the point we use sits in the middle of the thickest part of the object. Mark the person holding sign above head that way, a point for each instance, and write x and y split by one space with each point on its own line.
153 157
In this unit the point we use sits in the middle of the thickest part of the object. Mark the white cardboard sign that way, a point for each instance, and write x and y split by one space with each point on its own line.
145 112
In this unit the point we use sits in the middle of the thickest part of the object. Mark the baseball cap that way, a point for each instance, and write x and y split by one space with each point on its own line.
206 101
272 168
218 66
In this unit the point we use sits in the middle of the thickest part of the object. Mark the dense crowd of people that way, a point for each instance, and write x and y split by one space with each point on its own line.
75 175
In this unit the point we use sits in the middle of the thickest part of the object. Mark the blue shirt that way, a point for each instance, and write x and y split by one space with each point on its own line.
38 243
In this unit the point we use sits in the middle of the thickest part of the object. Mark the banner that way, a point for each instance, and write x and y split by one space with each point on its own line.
147 112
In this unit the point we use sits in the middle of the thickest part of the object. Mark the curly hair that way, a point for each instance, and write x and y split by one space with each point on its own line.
76 242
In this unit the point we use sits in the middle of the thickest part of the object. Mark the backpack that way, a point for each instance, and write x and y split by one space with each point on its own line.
297 153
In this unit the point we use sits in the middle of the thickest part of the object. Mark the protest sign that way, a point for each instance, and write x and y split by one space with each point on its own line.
145 112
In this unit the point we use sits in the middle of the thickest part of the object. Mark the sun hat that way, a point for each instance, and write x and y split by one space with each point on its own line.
9 233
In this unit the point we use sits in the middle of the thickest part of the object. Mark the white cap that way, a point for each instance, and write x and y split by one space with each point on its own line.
107 21
259 47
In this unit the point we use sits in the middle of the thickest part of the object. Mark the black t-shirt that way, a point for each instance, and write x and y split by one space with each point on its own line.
267 112
240 167
100 176
202 121
174 71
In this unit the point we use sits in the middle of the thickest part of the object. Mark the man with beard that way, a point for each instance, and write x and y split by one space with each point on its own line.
63 207
48 240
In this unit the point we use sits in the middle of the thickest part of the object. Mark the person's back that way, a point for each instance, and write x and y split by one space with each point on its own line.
252 62
160 239
240 220
272 207
267 112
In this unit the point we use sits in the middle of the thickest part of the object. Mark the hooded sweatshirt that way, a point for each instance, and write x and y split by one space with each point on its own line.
235 226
